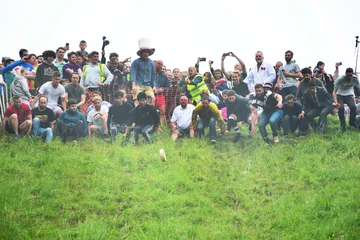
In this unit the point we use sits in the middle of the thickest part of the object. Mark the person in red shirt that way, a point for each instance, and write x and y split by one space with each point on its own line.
17 119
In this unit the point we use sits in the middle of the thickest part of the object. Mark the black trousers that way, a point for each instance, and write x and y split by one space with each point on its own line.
350 102
66 131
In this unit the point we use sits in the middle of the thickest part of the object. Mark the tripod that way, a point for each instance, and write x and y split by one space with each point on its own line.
357 51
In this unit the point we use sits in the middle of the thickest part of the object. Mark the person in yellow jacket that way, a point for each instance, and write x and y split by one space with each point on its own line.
208 114
195 84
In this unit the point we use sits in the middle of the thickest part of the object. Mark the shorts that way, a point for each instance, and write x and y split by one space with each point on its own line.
9 129
99 128
147 89
159 100
55 109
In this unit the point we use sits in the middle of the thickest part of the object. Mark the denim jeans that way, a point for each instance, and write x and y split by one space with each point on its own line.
45 133
144 130
203 122
270 117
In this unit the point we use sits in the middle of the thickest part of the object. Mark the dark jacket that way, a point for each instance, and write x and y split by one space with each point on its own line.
321 98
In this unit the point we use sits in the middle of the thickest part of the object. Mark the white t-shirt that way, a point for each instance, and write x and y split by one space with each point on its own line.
92 116
182 117
52 93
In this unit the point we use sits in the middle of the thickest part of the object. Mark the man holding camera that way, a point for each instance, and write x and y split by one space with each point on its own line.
195 85
240 66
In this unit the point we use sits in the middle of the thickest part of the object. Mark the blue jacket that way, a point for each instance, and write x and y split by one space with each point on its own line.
20 63
161 81
71 118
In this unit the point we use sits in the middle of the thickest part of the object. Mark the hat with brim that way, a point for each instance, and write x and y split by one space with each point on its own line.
144 44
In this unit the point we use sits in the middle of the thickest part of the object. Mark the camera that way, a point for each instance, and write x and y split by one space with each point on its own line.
202 59
338 63
211 62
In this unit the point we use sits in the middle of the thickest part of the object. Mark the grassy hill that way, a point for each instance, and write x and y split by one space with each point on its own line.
304 188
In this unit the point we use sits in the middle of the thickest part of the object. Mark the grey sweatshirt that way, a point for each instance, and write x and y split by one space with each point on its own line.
19 87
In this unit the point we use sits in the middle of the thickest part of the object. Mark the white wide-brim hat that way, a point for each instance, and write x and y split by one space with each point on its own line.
144 44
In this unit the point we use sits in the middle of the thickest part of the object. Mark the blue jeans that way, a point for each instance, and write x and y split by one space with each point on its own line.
45 133
203 122
273 118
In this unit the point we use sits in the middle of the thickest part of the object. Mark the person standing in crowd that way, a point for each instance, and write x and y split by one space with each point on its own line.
262 73
22 63
45 71
17 119
271 103
195 85
240 87
72 123
316 102
181 119
240 66
288 75
303 86
142 71
43 120
71 67
96 74
162 85
75 91
344 94
53 91
59 60
20 87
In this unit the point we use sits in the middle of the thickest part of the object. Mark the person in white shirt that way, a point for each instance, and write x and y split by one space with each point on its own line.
52 90
261 73
97 117
181 118
95 74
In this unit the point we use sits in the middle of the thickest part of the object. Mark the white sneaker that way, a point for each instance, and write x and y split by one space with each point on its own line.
276 139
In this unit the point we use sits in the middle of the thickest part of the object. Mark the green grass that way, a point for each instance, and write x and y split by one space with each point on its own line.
299 189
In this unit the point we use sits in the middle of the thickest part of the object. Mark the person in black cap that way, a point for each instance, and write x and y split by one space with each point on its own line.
145 119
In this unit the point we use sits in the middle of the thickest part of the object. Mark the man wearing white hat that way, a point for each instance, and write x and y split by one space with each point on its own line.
142 71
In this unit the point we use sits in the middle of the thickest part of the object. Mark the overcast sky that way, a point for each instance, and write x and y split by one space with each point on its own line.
181 31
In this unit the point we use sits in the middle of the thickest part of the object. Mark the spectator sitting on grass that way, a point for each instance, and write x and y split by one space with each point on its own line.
97 118
17 119
72 123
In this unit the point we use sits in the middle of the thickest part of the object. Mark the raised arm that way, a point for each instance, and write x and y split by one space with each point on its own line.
223 66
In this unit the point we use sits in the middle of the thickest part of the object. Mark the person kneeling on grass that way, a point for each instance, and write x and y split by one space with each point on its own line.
72 123
145 119
208 115
97 118
238 110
